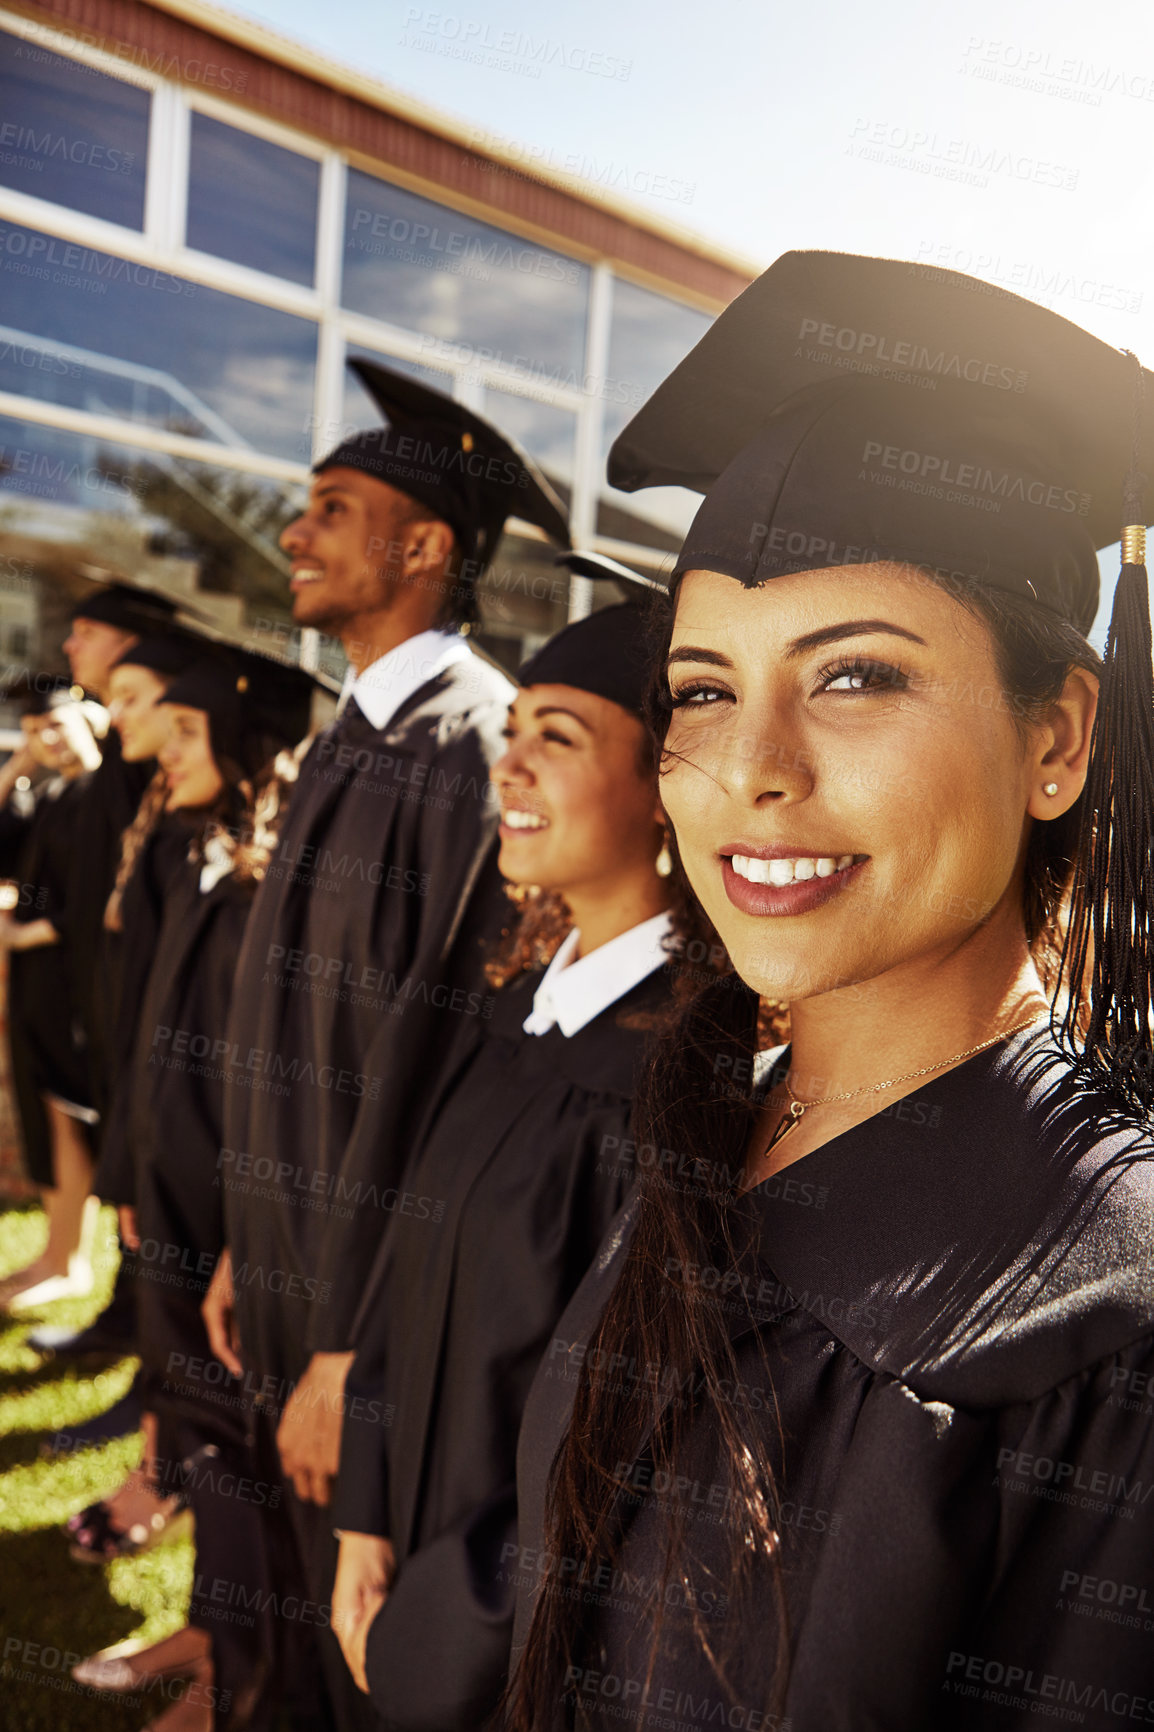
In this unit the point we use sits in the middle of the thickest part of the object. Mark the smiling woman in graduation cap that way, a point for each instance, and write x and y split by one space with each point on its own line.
892 1464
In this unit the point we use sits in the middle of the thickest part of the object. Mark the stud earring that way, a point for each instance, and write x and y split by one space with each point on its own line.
1050 788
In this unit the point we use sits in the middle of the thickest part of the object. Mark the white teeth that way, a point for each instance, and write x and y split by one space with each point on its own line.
309 576
515 819
782 872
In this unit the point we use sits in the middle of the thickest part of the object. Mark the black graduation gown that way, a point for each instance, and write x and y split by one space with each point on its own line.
342 1005
956 1304
521 1169
166 1127
170 1111
161 871
111 797
45 1039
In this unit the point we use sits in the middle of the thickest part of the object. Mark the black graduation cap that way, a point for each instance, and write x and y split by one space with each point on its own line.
607 653
165 654
845 409
451 460
255 704
126 606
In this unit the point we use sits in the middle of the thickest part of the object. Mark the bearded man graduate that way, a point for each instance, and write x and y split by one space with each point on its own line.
341 999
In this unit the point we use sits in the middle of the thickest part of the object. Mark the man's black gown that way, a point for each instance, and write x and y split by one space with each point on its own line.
521 1167
346 1002
955 1301
342 1008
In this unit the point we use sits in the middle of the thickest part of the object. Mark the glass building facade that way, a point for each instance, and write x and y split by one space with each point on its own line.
182 281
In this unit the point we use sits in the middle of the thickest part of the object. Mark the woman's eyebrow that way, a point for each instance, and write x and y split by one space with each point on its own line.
690 653
850 628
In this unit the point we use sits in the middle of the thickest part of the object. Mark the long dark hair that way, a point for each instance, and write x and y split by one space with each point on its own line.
653 1318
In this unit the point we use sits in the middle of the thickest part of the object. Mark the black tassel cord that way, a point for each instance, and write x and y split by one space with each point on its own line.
1108 955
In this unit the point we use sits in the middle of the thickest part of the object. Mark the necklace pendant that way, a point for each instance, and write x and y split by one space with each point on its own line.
785 1125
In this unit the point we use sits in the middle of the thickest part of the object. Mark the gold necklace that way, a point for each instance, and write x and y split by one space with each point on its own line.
798 1109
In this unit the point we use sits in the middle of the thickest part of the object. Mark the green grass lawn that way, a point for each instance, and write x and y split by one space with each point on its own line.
51 1606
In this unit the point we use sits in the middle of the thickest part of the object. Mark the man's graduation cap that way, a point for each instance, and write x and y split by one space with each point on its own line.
450 460
845 410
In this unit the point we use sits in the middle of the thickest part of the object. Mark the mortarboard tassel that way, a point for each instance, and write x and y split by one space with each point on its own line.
1108 954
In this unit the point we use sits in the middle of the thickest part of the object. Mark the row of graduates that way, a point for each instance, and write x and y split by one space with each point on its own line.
509 1033
860 1369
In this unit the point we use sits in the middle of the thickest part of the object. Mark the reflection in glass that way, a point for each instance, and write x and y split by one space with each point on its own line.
251 201
524 599
96 332
547 433
71 134
649 335
468 286
204 534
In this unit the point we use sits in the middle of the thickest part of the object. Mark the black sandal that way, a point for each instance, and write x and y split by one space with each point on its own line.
95 1539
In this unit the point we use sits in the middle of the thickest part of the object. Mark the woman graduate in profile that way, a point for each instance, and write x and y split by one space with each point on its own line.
523 1161
229 715
899 1432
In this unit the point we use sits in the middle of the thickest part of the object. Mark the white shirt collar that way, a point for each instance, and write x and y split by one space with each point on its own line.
387 683
572 993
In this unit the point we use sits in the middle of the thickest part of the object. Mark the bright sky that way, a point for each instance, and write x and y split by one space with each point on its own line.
1008 138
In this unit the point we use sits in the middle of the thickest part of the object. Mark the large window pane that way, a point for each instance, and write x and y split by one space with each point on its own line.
547 433
467 286
649 335
71 134
125 339
524 599
203 533
251 201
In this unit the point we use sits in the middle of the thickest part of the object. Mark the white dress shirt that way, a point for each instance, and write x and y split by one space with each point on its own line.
393 678
572 993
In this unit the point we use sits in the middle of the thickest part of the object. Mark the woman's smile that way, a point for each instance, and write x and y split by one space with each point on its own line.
768 881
